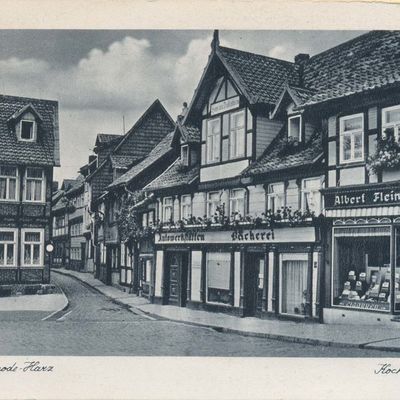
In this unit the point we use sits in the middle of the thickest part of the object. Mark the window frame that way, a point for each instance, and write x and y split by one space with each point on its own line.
275 194
230 130
168 206
209 202
183 205
217 156
8 177
41 247
303 191
34 130
390 125
298 116
42 179
7 243
185 161
232 198
351 133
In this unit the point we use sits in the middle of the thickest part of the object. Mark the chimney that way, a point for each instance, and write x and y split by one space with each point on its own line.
215 41
183 113
300 61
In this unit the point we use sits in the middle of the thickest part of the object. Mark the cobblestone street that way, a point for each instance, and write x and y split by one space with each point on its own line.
95 326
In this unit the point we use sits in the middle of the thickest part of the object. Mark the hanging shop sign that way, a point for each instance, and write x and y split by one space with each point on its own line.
357 198
226 105
281 235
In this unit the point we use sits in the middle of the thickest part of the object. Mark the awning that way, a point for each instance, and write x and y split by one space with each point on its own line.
364 212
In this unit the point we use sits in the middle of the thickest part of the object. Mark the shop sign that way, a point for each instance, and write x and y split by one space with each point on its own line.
365 305
281 235
350 199
225 105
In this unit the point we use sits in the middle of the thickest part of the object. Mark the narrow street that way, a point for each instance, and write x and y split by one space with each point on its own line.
95 326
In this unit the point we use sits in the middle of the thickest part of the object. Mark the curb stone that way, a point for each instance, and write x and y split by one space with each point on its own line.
65 307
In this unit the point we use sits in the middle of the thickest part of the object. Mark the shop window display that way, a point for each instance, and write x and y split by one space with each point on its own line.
361 270
218 277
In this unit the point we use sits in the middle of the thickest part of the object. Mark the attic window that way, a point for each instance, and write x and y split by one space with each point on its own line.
27 130
294 127
185 155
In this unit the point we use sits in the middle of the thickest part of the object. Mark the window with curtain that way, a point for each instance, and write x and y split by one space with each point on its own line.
218 277
352 138
276 197
34 185
8 183
32 246
237 204
311 195
237 134
167 209
213 141
213 202
7 248
186 206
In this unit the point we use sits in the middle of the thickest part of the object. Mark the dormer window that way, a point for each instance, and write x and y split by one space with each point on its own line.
294 127
27 130
185 155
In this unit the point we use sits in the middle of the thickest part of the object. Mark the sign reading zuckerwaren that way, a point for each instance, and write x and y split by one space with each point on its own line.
280 235
342 199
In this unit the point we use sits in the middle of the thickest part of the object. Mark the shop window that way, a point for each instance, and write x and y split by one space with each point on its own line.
391 121
34 185
218 277
186 206
294 283
32 247
213 202
146 270
352 138
8 183
213 140
361 267
276 197
237 204
167 209
294 127
8 238
237 135
310 195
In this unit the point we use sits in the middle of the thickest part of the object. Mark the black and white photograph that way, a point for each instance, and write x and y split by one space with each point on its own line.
216 194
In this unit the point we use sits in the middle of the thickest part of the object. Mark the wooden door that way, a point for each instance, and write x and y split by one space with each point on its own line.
254 283
177 275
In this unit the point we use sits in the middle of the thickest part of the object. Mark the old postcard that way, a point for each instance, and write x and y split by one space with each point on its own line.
199 200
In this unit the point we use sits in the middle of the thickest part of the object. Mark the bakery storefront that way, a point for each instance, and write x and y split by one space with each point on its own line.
246 271
363 261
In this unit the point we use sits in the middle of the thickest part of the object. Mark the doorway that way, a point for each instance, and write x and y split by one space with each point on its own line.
254 283
176 277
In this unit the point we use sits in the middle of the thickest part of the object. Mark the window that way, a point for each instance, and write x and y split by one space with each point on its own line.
213 202
27 130
352 138
7 247
8 183
294 127
311 195
185 155
150 219
144 220
213 140
34 185
186 206
276 197
76 253
361 267
218 277
167 209
32 247
237 202
237 134
391 121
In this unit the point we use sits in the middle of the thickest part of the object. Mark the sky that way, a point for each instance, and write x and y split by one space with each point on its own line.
101 77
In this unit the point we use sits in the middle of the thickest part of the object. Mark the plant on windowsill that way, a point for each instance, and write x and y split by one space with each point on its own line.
290 145
387 154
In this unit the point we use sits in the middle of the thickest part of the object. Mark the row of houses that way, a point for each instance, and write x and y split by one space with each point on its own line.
274 193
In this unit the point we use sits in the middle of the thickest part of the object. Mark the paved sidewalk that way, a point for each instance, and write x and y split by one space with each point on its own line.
35 302
374 337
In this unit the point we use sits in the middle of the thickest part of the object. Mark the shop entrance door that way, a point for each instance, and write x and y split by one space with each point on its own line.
294 286
178 274
254 283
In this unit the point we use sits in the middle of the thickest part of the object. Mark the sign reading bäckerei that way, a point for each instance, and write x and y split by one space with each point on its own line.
357 198
279 235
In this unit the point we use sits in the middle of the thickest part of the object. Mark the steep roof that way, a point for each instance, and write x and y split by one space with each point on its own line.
369 61
45 151
276 159
262 77
176 175
189 133
162 149
122 162
107 138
